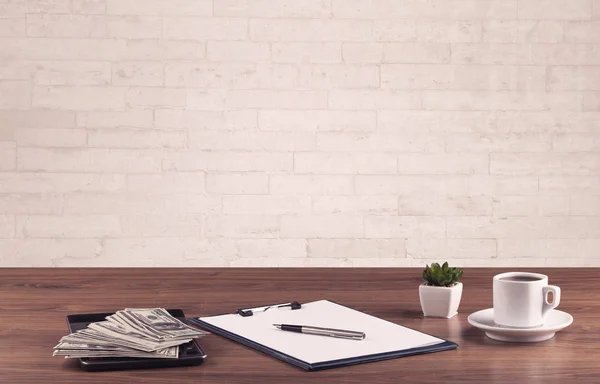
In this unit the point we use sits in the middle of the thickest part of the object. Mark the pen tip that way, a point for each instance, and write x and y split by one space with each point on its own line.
277 325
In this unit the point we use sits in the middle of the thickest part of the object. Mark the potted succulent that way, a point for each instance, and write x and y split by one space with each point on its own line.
441 292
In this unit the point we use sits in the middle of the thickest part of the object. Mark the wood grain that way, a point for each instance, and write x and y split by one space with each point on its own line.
35 302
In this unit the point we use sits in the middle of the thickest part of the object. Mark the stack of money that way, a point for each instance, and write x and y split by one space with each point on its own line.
132 332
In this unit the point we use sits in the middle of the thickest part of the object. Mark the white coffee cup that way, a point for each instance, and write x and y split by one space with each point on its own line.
521 299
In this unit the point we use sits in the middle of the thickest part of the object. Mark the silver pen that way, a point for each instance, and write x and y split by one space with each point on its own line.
332 332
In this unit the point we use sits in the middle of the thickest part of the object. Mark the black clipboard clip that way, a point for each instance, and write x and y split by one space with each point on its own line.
249 312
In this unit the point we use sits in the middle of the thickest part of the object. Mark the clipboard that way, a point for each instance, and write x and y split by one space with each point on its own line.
384 340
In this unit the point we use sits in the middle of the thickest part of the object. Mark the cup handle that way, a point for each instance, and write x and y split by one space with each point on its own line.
555 299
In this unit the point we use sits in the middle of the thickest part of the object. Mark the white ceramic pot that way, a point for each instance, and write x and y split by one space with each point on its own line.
440 301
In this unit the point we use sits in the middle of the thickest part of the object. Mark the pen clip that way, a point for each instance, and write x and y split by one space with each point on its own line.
249 312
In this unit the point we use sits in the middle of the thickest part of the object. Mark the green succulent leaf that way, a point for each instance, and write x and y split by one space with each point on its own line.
441 276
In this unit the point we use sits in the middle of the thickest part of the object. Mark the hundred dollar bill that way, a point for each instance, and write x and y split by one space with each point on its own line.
77 355
159 319
90 347
110 331
102 335
170 353
92 350
126 320
119 333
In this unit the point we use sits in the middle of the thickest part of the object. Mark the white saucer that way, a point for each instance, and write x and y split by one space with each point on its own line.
555 321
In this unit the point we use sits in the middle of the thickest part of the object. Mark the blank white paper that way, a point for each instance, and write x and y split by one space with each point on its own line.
381 335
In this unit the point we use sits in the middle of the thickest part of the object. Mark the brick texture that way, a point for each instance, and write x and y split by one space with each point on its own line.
299 133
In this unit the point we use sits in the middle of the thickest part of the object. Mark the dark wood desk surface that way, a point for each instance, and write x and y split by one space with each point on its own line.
34 303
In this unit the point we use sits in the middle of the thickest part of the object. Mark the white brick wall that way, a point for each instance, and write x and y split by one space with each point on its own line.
299 133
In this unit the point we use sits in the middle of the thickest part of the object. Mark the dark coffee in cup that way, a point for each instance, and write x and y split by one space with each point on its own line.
521 278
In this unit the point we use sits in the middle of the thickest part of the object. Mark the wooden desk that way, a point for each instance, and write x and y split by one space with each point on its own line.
34 303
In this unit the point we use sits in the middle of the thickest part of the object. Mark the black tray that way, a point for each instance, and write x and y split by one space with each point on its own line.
189 354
